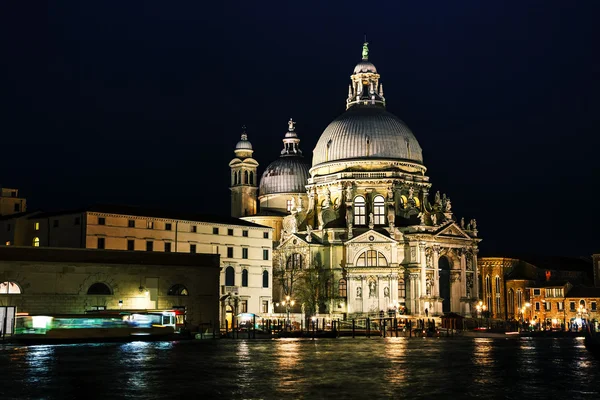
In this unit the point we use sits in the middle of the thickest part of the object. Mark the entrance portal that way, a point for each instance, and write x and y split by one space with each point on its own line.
444 266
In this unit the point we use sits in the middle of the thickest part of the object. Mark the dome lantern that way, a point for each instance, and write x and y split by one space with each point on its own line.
365 88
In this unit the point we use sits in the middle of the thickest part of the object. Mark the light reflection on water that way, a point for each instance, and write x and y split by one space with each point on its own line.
273 369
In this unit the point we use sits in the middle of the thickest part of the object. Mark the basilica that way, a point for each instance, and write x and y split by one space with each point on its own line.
363 211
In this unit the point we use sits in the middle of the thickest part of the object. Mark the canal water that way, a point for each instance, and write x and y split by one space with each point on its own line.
392 368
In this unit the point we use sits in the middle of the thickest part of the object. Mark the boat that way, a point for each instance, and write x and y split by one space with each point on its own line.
76 328
490 333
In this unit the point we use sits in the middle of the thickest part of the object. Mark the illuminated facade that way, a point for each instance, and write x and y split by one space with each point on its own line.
11 203
362 213
245 248
72 281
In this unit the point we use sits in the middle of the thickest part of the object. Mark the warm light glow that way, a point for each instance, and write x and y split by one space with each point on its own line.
292 303
527 304
36 242
480 303
287 298
283 303
36 226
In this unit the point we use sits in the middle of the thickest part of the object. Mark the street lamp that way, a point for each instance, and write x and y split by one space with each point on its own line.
287 303
479 307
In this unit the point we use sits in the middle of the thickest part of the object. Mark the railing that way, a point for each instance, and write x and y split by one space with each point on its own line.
229 289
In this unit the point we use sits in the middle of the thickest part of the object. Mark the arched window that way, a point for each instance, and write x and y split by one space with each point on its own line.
245 278
360 212
294 262
582 303
511 303
488 292
229 276
178 290
401 289
498 308
251 178
379 210
99 288
519 299
245 177
36 242
342 288
233 180
239 177
371 258
9 287
265 279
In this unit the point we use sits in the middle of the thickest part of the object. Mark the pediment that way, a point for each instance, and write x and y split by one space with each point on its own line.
371 236
452 230
296 240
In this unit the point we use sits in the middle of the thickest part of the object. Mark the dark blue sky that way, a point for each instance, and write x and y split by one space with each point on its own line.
143 103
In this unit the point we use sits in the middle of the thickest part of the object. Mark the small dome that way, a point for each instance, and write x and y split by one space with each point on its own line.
288 174
365 67
367 132
243 144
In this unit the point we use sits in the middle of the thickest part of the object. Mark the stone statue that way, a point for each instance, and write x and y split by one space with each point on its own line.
293 209
438 200
462 222
308 233
349 192
311 200
327 201
372 287
448 205
421 218
359 292
391 215
299 202
474 223
390 193
371 221
291 124
468 227
386 292
434 219
411 192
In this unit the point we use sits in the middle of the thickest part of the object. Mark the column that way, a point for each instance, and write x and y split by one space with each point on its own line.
463 272
436 270
476 275
423 261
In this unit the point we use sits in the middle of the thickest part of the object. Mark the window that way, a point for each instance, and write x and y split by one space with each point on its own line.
401 289
150 224
192 248
178 290
265 306
168 227
36 226
265 235
537 306
101 221
17 207
488 287
36 242
167 247
101 243
245 233
265 277
572 306
245 278
215 231
510 303
131 223
519 299
131 244
9 287
289 205
558 292
593 306
149 245
294 262
560 306
244 306
77 221
371 258
342 288
229 276
251 178
230 232
55 223
360 212
379 210
193 229
547 306
265 254
245 252
582 303
536 292
99 288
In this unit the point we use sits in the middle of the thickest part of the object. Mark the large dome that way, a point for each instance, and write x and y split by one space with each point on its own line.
288 174
367 132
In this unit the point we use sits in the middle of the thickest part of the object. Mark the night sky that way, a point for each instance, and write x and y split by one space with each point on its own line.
142 103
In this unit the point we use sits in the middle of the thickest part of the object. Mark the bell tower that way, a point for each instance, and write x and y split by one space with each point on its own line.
244 186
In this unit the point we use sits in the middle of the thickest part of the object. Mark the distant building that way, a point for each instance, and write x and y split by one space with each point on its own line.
72 281
245 248
10 202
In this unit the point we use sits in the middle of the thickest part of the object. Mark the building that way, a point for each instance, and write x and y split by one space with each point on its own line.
245 248
360 216
518 288
72 281
10 202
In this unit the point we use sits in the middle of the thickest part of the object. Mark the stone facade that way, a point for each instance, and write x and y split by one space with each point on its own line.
57 281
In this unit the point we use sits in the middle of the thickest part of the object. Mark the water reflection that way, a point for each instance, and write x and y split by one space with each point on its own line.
395 353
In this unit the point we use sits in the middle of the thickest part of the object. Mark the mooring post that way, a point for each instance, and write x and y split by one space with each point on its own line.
353 327
368 327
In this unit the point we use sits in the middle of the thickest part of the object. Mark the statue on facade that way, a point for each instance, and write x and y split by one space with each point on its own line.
386 292
433 219
299 206
474 223
327 201
391 215
308 233
462 222
359 292
421 217
371 221
390 193
411 192
448 205
349 192
438 200
293 205
372 289
311 200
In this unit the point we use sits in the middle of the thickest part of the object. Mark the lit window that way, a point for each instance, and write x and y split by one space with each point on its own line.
511 302
401 289
8 243
360 212
289 205
244 306
8 287
342 288
36 226
379 210
560 306
265 306
371 258
36 242
519 299
150 224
